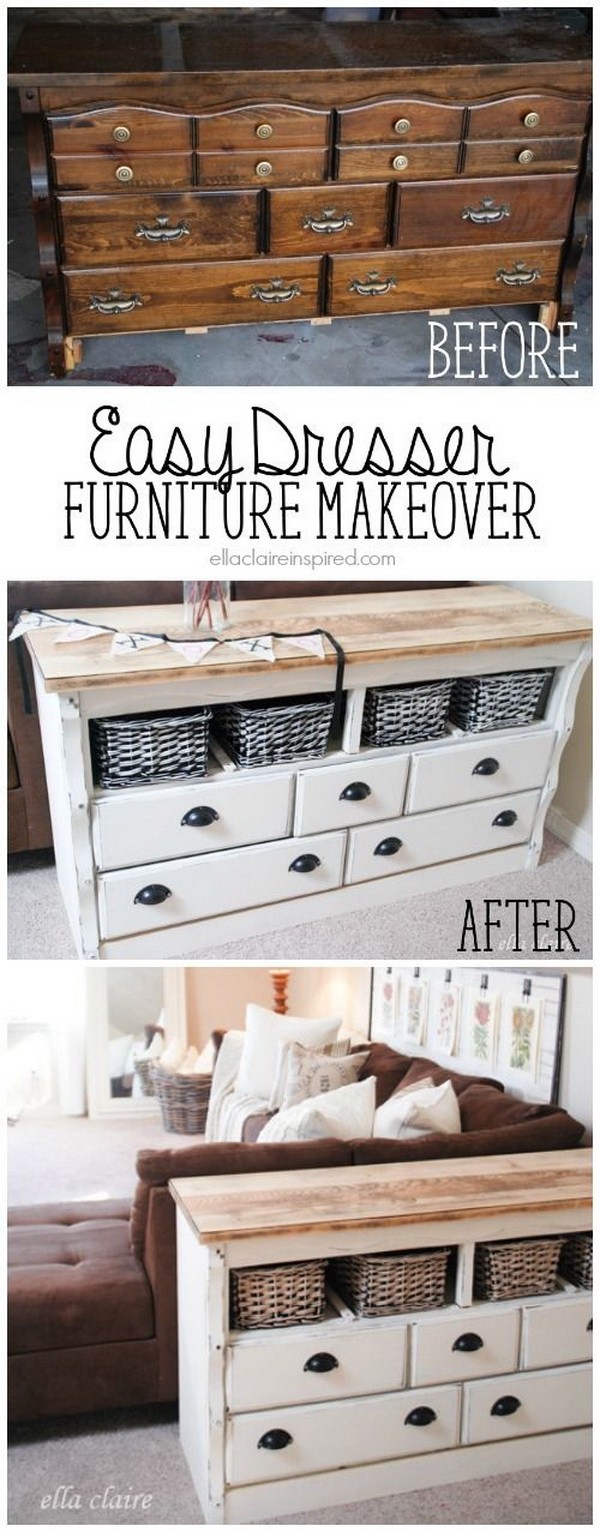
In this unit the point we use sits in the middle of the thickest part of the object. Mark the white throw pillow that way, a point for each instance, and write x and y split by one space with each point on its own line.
119 1051
345 1113
312 1072
264 1031
410 1113
173 1055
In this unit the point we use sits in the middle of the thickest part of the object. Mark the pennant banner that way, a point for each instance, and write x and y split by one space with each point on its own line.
192 653
124 643
28 620
77 632
310 644
256 648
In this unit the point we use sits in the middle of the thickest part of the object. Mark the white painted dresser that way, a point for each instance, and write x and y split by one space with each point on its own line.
400 1404
272 846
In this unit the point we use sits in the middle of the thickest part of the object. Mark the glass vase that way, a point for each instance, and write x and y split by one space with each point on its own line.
206 605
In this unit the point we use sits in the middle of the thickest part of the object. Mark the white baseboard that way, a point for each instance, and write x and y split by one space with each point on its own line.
579 840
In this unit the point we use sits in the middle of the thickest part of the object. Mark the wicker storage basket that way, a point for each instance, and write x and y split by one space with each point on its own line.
149 747
143 1069
577 1259
517 1268
289 729
391 1284
401 715
183 1100
499 702
265 1297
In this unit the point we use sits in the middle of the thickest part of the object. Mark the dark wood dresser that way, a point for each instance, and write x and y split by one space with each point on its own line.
224 169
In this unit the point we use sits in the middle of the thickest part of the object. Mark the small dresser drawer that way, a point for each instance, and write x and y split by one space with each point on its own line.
485 211
290 1371
400 845
400 121
557 1333
394 282
259 127
336 796
522 156
176 296
328 218
524 1404
464 773
533 116
474 1345
163 894
277 167
136 827
323 1437
121 171
170 227
120 128
413 162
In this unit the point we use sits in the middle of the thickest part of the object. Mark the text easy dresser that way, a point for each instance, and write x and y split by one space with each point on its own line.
196 804
219 171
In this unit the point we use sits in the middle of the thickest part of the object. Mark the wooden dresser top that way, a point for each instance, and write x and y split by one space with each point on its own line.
226 1207
397 624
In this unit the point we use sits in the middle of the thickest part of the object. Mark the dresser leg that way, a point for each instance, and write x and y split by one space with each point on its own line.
72 352
548 316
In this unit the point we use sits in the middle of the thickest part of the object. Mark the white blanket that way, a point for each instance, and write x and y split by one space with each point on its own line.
228 1109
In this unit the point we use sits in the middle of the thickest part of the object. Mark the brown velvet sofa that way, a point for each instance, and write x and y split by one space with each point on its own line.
92 1286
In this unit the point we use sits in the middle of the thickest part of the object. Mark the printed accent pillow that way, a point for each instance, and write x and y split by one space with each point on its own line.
264 1031
411 1113
286 1051
345 1113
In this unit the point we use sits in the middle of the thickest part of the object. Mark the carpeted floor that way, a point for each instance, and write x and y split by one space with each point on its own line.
423 928
73 1159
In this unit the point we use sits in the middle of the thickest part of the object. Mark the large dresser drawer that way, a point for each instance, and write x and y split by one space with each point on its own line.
420 840
263 1375
329 1436
121 171
259 127
554 1334
167 227
473 1345
329 798
120 128
136 827
401 120
411 279
522 156
266 167
411 162
486 769
194 888
485 211
328 218
533 116
529 1403
175 296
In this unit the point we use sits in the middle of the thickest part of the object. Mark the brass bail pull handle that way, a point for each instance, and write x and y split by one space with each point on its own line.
520 276
487 212
161 232
373 285
115 302
276 291
328 222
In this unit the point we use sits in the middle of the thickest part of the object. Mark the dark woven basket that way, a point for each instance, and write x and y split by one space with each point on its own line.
517 1268
577 1259
143 1069
391 1284
402 715
499 702
149 747
288 729
266 1297
183 1100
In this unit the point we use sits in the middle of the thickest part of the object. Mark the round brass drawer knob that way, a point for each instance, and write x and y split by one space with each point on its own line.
400 162
525 157
121 134
124 173
264 130
264 168
402 125
532 120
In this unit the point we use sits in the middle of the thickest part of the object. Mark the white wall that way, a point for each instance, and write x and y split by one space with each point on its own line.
217 997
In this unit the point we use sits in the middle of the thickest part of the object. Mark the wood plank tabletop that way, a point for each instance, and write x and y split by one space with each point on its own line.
236 1207
383 626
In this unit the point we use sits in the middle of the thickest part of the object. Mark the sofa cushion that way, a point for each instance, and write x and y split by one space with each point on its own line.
419 1068
73 1280
482 1108
555 1131
388 1067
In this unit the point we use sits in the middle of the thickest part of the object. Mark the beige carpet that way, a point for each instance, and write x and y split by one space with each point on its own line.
426 927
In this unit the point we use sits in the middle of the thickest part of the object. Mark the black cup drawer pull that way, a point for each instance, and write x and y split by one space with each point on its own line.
468 1342
197 818
486 768
421 1416
590 1324
154 893
275 1440
306 863
505 819
355 792
388 847
507 1405
322 1361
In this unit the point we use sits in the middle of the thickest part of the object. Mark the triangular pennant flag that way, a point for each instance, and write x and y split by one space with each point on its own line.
26 621
309 643
76 632
192 653
257 648
125 643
